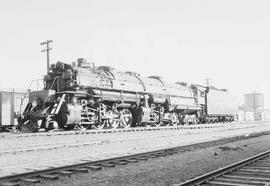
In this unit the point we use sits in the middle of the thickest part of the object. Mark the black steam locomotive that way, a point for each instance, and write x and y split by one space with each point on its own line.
99 97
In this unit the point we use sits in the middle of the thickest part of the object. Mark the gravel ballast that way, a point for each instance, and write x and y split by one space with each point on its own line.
170 169
38 153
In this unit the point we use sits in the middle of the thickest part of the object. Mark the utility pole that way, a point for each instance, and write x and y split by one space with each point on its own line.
208 82
48 52
254 101
206 94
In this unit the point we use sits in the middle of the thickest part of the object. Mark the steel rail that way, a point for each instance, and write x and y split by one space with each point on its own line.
203 179
97 165
135 129
132 129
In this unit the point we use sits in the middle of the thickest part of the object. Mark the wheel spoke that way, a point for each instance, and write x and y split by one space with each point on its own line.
126 118
99 125
114 124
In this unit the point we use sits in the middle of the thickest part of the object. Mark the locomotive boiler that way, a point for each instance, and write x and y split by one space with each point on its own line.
98 97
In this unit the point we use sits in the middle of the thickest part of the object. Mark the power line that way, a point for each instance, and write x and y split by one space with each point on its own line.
48 52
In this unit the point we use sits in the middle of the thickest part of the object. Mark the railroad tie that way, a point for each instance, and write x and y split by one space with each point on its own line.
141 158
170 153
243 173
120 162
158 155
65 173
31 180
246 177
94 167
161 154
108 165
152 156
9 184
49 176
132 160
235 182
80 170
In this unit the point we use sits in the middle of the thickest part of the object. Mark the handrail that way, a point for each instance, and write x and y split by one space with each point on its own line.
28 89
54 80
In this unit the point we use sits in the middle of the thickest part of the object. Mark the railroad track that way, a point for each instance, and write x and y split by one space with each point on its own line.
119 130
252 171
36 176
11 149
67 143
106 131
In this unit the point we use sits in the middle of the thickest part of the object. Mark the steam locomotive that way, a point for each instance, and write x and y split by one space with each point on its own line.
100 97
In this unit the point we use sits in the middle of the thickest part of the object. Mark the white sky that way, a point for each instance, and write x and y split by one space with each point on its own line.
180 40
